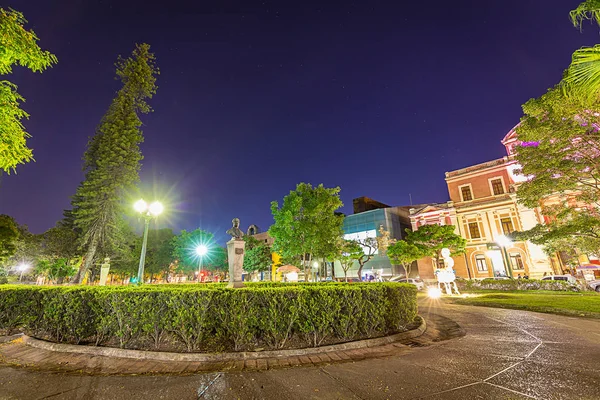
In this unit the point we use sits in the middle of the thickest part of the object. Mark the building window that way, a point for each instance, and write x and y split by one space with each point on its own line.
497 187
507 226
516 261
474 230
481 263
465 192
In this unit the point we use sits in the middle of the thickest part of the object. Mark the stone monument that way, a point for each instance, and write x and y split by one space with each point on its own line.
104 269
235 254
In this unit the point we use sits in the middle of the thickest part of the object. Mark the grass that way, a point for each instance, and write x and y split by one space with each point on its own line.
563 303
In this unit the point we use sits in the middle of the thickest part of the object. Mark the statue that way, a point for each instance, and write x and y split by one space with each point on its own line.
446 275
235 231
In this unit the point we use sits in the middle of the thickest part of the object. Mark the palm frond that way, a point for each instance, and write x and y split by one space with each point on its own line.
583 75
588 10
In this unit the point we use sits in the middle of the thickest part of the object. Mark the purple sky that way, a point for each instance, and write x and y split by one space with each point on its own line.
378 97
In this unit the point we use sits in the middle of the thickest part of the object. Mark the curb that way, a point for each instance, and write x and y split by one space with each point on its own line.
221 357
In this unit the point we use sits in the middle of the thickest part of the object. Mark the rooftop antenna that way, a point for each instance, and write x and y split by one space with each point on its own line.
410 197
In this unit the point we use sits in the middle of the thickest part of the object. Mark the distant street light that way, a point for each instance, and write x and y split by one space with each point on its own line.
505 242
148 212
201 250
22 268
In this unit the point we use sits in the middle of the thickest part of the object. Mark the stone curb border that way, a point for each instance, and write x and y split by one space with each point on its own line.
222 357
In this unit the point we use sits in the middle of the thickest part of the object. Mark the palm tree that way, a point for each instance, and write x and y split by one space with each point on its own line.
583 75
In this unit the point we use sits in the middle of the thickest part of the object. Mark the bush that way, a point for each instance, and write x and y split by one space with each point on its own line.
211 317
519 284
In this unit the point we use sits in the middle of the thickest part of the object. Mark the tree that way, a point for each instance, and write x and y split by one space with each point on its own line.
159 251
112 159
217 259
9 234
404 253
307 223
582 78
429 240
184 248
18 46
257 256
369 248
350 251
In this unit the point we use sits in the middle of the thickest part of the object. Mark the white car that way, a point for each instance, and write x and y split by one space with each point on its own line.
413 281
565 278
595 285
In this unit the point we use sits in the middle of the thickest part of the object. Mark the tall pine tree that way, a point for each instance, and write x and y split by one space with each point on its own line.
112 159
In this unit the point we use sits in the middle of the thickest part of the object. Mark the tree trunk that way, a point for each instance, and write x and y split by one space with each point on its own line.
360 267
87 263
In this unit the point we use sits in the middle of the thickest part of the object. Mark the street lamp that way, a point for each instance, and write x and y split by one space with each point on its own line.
22 268
148 211
505 242
201 250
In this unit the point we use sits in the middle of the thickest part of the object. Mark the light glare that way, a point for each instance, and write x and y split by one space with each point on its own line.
503 241
156 208
201 250
140 206
434 293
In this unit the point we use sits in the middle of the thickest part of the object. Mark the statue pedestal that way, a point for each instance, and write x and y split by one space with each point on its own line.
104 269
235 254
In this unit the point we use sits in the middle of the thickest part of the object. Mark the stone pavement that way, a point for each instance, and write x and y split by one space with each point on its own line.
506 354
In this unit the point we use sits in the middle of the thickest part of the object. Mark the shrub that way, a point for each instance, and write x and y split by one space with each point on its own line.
193 317
519 284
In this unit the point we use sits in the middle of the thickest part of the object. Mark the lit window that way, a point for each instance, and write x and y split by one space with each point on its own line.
507 226
481 263
497 186
465 192
474 230
516 261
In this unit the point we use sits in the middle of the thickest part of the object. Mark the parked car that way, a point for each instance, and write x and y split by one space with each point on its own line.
413 281
565 278
595 285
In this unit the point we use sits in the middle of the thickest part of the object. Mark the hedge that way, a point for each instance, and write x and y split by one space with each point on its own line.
519 284
193 318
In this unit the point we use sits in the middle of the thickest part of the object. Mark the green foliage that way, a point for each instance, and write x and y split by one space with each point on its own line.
257 255
184 248
112 159
9 233
307 225
587 10
350 251
405 253
56 270
429 240
209 317
17 46
159 250
518 284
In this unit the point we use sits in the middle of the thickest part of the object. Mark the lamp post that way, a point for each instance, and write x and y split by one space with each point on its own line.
504 242
148 211
201 250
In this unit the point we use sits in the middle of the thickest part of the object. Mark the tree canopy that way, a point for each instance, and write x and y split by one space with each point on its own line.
9 234
307 224
257 255
429 240
18 46
405 253
185 245
112 159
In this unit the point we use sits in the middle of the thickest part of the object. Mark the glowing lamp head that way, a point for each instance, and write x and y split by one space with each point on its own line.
156 208
22 267
434 293
140 206
503 241
201 250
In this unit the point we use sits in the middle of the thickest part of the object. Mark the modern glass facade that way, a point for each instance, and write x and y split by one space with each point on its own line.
366 224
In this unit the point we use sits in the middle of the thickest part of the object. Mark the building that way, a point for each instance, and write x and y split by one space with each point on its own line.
484 209
368 217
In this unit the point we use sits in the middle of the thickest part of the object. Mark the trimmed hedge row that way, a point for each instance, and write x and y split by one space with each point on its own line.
208 317
519 284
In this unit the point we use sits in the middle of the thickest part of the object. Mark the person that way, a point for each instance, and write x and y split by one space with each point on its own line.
519 276
525 276
545 274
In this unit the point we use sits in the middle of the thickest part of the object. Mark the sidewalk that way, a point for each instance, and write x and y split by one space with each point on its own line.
18 353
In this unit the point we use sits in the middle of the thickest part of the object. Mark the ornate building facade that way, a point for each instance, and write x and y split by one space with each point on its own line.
484 209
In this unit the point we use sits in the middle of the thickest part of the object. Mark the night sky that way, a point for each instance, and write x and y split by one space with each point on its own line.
379 98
